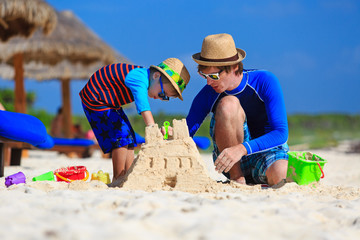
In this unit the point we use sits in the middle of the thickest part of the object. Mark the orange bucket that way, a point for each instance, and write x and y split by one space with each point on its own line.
70 174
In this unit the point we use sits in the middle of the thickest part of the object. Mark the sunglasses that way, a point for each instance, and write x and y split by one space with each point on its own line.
213 76
162 93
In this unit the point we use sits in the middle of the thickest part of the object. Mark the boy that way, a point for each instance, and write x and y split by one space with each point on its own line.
118 84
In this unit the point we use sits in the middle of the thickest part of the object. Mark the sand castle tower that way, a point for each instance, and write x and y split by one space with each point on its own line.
169 164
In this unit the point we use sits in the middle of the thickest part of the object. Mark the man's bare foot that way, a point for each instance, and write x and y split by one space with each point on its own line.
279 184
240 180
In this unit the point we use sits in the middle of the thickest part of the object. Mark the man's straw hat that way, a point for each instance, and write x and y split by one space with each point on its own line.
176 72
219 50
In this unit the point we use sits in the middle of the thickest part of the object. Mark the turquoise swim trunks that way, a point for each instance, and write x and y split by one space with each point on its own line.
253 166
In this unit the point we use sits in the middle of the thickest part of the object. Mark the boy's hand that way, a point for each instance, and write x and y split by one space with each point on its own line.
170 131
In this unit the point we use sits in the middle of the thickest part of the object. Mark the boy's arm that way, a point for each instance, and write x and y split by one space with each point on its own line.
148 118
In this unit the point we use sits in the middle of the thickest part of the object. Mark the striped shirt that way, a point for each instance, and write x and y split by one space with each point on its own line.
106 88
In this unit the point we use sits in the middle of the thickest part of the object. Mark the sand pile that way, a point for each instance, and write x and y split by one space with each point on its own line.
169 164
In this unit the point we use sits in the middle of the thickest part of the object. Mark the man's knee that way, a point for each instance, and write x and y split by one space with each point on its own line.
277 172
228 108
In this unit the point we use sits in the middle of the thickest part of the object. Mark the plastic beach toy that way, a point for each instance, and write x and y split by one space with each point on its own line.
305 167
48 176
101 176
16 178
70 174
166 125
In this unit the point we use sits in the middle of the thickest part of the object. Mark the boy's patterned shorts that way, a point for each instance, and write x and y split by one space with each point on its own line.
111 128
253 166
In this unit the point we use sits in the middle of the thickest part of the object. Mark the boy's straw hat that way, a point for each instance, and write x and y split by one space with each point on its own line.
219 50
176 72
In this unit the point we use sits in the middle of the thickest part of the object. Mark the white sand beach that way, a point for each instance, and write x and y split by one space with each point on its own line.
329 209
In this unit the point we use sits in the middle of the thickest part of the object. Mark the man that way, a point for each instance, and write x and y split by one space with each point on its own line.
249 123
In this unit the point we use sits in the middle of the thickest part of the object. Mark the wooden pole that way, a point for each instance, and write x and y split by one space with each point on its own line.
20 95
65 84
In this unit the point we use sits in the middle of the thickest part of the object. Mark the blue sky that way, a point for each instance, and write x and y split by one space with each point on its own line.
312 46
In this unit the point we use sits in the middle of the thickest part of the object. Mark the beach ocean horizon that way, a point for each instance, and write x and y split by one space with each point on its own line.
329 209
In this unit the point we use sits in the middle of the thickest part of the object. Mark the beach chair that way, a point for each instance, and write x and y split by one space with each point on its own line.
82 147
202 142
20 131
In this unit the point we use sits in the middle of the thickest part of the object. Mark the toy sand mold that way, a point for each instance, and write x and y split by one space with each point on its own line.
305 167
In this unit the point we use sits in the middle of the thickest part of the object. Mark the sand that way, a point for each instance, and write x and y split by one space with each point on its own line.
174 164
329 209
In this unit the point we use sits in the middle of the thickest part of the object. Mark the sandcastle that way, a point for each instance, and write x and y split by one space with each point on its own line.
169 164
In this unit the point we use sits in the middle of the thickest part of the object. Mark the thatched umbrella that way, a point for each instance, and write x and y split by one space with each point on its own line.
71 40
22 17
64 71
70 43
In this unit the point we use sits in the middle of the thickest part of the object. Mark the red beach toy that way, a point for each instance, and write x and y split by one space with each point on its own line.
70 174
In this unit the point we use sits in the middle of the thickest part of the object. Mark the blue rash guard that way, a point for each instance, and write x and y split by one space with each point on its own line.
261 98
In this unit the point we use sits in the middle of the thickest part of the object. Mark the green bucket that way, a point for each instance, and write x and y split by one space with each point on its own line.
305 167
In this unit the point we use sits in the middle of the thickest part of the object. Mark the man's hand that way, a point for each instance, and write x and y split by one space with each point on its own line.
228 157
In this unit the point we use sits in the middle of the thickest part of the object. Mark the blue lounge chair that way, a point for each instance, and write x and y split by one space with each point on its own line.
20 131
202 142
81 147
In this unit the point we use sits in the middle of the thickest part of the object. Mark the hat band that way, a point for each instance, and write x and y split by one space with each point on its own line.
233 58
174 76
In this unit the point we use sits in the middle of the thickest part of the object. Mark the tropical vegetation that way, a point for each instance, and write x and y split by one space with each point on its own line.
312 130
